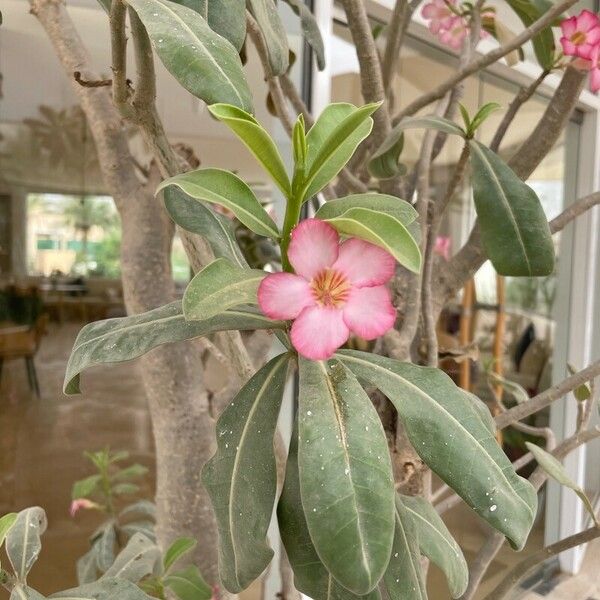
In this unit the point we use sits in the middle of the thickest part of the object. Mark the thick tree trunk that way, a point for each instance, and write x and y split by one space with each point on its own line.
183 427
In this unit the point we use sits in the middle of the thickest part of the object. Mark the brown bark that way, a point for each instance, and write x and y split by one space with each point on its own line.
183 428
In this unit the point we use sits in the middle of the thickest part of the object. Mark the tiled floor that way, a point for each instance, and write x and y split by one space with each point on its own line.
41 446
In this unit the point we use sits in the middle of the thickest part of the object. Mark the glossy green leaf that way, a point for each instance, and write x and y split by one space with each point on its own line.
84 487
403 579
226 17
384 231
23 543
105 547
138 559
514 229
6 522
530 11
226 189
105 589
482 114
256 139
126 338
267 16
437 543
310 575
558 472
188 584
241 477
203 62
310 30
444 427
332 140
391 205
177 549
346 480
219 286
194 216
384 161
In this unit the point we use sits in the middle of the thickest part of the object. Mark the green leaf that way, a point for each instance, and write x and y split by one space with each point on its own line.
219 286
203 62
310 30
132 472
403 579
557 471
142 507
188 584
23 543
384 162
105 547
241 477
138 559
444 427
124 489
346 480
384 231
226 17
193 215
125 338
482 114
465 117
391 205
85 487
310 575
518 392
543 43
581 392
6 522
267 16
105 589
514 228
256 139
437 543
226 189
177 549
332 140
299 142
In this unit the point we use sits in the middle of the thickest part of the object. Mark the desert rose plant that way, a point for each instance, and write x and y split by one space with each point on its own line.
363 265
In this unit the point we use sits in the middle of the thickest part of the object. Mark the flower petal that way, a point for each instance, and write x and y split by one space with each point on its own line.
284 295
569 48
369 312
364 264
587 20
318 332
313 247
593 36
595 80
569 26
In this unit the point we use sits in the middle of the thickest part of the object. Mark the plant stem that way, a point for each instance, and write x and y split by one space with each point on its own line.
292 216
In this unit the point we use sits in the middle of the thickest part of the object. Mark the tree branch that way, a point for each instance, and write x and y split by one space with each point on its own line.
484 61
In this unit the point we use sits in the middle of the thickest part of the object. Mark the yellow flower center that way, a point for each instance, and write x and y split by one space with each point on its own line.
330 288
578 37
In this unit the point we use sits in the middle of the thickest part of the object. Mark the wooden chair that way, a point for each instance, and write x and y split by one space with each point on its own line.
23 341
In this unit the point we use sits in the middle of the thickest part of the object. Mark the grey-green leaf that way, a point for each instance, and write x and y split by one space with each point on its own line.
332 140
23 543
194 216
188 584
142 508
557 471
241 477
384 231
219 286
437 543
177 549
84 487
126 338
203 62
310 29
444 427
138 559
391 205
86 567
514 229
146 528
105 547
24 592
228 190
256 139
403 579
6 522
226 17
104 589
346 480
267 16
310 575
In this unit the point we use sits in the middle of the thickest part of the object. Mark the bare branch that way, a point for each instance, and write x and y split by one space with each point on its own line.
487 59
118 41
145 89
573 211
91 83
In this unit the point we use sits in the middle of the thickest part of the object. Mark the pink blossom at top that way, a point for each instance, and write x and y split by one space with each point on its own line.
336 289
454 35
439 14
80 503
580 34
594 67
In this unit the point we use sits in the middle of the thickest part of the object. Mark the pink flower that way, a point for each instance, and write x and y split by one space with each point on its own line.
456 32
337 289
594 66
439 14
80 503
580 34
442 246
